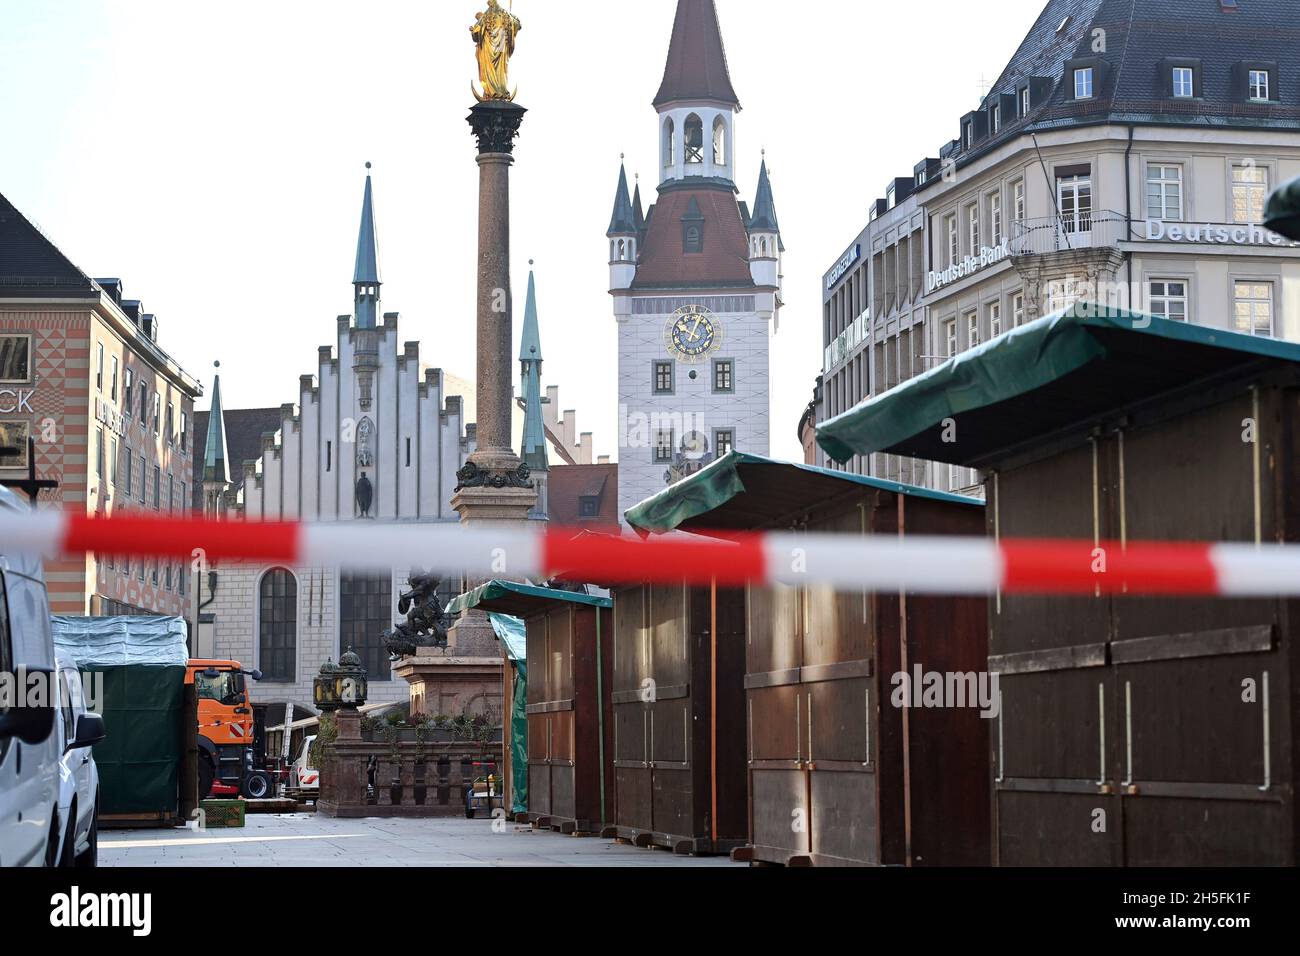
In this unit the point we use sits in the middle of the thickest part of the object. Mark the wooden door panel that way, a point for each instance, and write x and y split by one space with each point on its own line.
1050 725
1057 829
773 632
781 818
774 725
843 816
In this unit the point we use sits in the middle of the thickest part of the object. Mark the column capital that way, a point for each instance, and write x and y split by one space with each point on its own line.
495 125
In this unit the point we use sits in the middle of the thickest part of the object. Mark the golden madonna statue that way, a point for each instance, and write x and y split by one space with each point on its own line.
494 33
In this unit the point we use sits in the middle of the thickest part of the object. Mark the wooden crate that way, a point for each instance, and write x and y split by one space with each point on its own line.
220 814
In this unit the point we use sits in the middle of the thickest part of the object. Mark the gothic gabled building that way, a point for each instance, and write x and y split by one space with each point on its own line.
696 279
372 435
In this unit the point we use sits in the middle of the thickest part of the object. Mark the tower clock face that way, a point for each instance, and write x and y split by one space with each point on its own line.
692 333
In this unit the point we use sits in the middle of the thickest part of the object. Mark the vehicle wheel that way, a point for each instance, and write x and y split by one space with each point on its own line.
257 785
469 813
207 774
89 858
52 843
69 854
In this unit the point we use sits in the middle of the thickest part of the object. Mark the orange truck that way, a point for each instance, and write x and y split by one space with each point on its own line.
227 729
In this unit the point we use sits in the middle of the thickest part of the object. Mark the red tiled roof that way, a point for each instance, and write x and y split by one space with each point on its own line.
725 259
567 484
697 61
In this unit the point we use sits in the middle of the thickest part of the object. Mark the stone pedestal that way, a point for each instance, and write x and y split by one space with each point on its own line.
447 682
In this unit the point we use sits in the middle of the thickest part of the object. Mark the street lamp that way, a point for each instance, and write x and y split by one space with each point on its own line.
341 685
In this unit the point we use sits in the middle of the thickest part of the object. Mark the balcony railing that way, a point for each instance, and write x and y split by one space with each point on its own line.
1090 230
404 779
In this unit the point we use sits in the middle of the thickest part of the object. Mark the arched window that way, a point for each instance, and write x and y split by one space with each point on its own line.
670 141
694 139
277 617
621 250
719 142
763 246
365 613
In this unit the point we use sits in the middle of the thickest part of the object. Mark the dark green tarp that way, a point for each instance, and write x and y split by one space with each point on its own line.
143 707
1058 372
784 485
141 661
512 632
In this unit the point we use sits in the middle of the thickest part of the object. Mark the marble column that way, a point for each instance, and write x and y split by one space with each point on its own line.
494 486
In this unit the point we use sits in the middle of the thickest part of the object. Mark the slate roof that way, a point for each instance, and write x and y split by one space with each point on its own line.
697 61
724 261
31 265
1133 42
244 430
623 220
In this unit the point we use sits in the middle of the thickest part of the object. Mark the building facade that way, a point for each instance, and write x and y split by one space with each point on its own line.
89 400
373 436
696 280
1123 156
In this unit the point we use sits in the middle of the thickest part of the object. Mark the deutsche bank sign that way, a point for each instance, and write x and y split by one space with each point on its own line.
989 255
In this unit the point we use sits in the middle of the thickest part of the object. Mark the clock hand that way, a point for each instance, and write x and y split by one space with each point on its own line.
695 332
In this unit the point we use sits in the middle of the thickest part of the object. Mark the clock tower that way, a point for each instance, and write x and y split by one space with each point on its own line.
696 280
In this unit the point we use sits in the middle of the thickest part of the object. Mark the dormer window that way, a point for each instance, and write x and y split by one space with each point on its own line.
1083 83
995 118
1184 82
1258 86
694 239
1024 102
968 137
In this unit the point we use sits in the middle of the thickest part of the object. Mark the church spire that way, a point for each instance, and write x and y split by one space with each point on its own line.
764 217
623 221
365 277
216 465
697 62
533 450
638 212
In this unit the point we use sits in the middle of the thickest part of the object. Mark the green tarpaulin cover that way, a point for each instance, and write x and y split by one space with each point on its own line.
719 482
141 661
513 635
508 592
1048 374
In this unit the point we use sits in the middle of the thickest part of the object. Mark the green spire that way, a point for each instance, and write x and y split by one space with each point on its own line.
365 277
533 451
216 468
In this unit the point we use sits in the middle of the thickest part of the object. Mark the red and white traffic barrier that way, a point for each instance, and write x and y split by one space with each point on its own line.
925 565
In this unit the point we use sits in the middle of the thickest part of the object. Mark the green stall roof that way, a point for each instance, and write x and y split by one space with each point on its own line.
1064 370
741 492
519 600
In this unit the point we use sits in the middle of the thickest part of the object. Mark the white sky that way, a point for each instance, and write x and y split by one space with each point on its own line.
211 155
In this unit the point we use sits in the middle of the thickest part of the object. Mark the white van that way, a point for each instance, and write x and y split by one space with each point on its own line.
30 829
78 731
302 775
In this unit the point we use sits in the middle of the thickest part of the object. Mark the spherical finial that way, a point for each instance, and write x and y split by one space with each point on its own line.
622 156
530 262
367 164
216 364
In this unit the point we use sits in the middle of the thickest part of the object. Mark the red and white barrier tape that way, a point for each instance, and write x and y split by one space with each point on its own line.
927 565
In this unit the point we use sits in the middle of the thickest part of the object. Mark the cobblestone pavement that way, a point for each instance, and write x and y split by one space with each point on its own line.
305 839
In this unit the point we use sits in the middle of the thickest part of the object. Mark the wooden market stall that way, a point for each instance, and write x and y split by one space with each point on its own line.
1135 730
837 773
679 717
569 671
